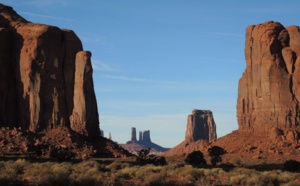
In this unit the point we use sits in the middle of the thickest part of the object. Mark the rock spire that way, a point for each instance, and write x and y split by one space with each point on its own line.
133 134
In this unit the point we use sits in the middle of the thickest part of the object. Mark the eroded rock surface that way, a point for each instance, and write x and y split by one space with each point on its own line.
200 131
46 78
269 90
200 126
268 96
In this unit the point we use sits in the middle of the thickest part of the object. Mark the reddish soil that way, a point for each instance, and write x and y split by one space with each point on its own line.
249 147
245 148
14 142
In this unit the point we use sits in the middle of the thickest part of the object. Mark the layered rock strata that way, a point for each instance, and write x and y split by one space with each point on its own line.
269 90
45 78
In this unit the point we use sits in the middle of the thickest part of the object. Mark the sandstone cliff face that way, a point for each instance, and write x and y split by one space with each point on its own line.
46 78
200 126
269 90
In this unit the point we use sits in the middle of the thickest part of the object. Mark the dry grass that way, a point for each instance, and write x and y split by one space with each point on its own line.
121 172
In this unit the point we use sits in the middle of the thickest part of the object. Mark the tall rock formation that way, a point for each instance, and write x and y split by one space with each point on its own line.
269 90
145 137
200 126
85 111
46 78
133 134
140 135
200 131
144 142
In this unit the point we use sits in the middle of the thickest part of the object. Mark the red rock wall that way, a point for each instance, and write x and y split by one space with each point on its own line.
43 83
268 93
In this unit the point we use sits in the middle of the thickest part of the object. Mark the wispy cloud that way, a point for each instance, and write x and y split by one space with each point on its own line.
91 38
275 10
95 39
123 106
125 78
103 66
137 79
46 3
226 34
47 16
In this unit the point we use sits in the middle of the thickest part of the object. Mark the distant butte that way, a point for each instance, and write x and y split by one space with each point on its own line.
144 142
200 130
200 126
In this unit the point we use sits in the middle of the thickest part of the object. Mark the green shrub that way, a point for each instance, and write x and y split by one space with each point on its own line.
48 173
10 170
195 159
117 165
61 154
7 176
144 171
215 153
238 179
156 179
87 173
144 158
292 166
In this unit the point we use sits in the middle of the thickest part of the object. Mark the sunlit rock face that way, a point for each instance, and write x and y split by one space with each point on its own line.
200 126
269 89
46 78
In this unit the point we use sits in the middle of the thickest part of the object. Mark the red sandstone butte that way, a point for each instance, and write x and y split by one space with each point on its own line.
45 78
200 130
269 90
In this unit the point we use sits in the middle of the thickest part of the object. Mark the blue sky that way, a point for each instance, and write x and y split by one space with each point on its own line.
155 61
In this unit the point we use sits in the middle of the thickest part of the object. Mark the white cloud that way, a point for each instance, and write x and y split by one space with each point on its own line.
103 66
226 34
125 78
45 3
95 39
117 104
47 16
137 79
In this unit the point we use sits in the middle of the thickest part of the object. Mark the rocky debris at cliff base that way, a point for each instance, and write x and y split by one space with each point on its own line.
187 147
246 145
15 142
